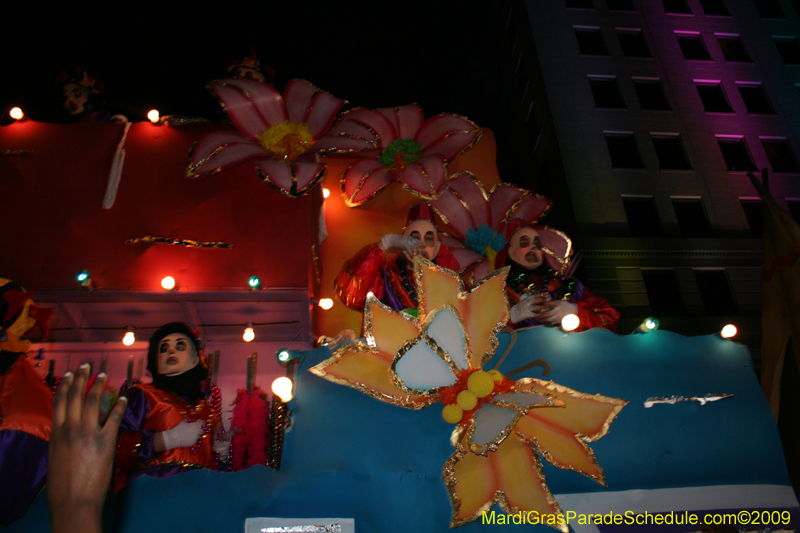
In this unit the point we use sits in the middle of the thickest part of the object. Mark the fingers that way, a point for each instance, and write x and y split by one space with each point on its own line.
91 408
75 395
60 400
115 416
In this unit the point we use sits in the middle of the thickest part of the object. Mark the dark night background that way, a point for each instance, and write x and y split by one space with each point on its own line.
438 54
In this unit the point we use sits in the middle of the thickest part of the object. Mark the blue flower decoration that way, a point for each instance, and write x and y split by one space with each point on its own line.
484 236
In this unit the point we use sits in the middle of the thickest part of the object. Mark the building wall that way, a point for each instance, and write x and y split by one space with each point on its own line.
614 260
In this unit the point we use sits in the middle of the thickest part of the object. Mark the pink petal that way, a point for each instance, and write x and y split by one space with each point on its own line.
406 119
481 270
291 179
425 177
307 103
449 135
252 105
464 203
298 95
363 180
324 108
559 245
347 136
508 202
372 119
467 258
221 150
451 242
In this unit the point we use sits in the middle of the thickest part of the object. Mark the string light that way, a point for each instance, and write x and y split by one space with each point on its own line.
153 115
249 334
326 303
282 388
168 283
325 192
650 324
84 279
284 355
254 282
16 113
570 322
130 337
728 331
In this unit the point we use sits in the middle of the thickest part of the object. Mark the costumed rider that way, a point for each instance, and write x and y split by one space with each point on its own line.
538 293
26 403
81 96
167 428
386 268
250 67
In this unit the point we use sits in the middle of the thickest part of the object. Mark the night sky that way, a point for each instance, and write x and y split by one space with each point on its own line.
374 54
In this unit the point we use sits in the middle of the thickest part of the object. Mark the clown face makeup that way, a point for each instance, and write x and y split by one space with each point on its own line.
525 248
176 355
426 232
74 98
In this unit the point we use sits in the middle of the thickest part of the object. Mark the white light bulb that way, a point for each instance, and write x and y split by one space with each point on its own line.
326 303
129 338
325 192
249 334
282 388
16 113
168 283
728 331
570 322
153 115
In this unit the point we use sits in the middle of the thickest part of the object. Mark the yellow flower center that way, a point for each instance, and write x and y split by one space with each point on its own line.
288 140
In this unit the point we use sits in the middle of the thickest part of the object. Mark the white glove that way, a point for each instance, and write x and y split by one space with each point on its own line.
558 310
184 435
403 242
527 308
222 443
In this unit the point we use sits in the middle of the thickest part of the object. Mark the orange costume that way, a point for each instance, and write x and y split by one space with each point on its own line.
151 410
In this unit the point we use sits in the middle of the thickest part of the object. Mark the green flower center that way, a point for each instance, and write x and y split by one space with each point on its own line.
400 153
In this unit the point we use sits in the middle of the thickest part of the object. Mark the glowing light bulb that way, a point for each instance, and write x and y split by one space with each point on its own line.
284 356
325 192
728 331
254 282
570 322
282 388
326 303
129 338
16 113
153 115
168 283
249 334
83 277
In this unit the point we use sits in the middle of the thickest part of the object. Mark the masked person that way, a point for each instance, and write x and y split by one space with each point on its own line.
167 428
385 268
26 403
539 294
81 97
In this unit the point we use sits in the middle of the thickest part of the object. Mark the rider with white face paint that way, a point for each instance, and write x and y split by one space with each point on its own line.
385 268
539 294
167 426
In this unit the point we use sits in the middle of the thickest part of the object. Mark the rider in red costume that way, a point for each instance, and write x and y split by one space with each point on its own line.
389 275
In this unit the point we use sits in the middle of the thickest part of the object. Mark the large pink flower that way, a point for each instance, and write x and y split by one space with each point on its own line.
478 222
282 135
410 148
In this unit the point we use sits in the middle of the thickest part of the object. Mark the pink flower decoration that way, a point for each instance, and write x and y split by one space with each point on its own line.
410 149
281 134
476 219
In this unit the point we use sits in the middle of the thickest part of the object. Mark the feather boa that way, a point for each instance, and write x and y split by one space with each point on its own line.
250 419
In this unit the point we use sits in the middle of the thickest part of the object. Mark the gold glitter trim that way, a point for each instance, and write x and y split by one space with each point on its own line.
293 192
499 497
564 262
179 242
316 264
191 170
429 197
425 337
350 201
525 192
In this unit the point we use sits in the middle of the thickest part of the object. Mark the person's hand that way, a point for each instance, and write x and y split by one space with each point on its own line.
410 244
558 309
184 435
81 454
527 308
222 442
